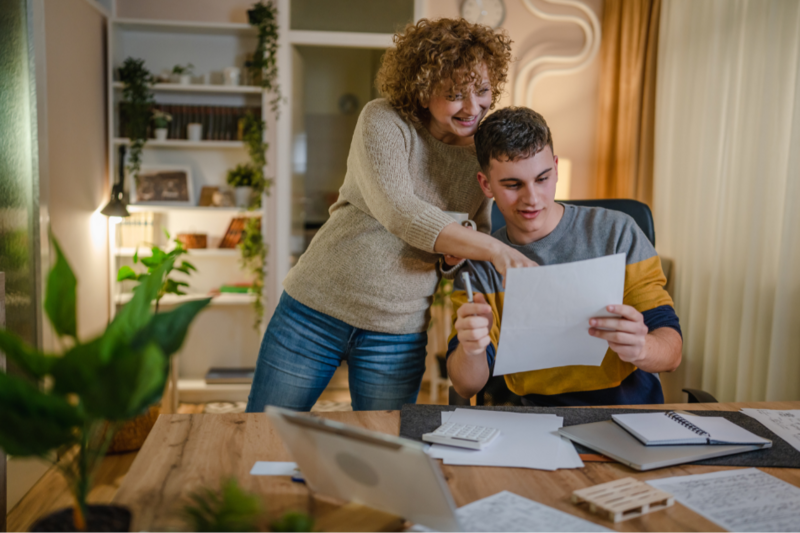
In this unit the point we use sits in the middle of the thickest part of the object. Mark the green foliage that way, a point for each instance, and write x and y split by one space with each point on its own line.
95 385
59 303
254 260
138 97
161 119
181 69
293 521
242 176
264 67
158 259
230 509
443 292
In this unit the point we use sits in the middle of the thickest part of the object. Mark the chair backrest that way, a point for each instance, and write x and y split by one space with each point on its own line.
496 390
640 213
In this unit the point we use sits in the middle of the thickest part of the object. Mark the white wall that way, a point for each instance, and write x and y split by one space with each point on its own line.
76 149
568 103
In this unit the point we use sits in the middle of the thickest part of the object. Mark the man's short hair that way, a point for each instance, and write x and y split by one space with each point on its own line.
511 133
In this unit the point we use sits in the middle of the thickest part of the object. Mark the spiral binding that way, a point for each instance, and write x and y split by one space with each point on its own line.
672 415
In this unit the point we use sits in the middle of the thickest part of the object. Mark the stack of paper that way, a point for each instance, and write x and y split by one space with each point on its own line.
526 440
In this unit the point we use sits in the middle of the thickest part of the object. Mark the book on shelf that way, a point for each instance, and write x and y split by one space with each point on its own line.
229 376
139 230
234 234
220 123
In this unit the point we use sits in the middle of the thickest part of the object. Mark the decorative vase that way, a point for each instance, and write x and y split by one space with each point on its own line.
99 518
161 134
194 131
185 79
243 195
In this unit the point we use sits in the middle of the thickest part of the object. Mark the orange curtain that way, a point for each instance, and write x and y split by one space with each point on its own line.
628 52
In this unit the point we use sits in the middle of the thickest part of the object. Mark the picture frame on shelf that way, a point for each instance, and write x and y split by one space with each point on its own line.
163 185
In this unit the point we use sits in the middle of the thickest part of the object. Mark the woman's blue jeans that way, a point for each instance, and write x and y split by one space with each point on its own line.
302 348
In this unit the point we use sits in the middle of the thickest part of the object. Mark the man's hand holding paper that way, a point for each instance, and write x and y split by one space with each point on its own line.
547 312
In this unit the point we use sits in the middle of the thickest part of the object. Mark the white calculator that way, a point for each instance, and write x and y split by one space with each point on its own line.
462 435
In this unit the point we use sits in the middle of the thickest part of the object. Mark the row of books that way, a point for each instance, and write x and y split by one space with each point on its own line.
140 229
220 123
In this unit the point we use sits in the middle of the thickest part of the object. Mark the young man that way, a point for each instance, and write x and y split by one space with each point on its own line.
519 170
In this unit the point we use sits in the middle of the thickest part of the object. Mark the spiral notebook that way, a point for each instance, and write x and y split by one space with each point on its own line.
667 428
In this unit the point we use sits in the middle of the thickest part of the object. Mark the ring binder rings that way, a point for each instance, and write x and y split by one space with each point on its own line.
672 415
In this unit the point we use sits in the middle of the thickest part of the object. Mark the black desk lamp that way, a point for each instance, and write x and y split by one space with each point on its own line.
116 206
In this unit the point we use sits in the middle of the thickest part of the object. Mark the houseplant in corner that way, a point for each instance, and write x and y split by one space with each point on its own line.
65 409
137 99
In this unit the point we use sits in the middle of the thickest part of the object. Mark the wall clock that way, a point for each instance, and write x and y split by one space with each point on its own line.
487 12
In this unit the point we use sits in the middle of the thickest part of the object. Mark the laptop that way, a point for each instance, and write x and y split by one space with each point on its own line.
387 473
611 440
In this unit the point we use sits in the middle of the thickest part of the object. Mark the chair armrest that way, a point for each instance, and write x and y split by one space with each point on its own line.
699 396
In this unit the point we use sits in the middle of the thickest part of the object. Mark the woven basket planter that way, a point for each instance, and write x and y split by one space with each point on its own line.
132 435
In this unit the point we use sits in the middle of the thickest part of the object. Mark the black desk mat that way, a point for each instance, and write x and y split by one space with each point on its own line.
418 419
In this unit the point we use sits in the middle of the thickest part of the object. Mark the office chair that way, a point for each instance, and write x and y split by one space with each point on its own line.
495 392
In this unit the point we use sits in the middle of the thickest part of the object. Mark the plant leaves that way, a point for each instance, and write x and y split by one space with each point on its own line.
60 300
31 422
135 315
168 330
31 361
126 272
117 389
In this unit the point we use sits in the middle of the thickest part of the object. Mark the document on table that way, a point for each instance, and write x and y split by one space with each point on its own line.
506 511
785 424
526 440
274 468
546 314
738 500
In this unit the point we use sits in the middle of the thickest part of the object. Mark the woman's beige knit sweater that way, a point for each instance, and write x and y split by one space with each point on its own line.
372 264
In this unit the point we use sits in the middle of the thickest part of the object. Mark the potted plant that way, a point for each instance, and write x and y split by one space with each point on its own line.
137 101
242 178
161 122
66 409
183 74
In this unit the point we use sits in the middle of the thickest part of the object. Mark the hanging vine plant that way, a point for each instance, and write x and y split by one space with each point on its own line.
137 101
264 66
263 69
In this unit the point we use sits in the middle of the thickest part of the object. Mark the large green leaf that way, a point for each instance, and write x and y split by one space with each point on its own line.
35 363
168 330
135 315
60 300
126 272
32 422
117 389
79 369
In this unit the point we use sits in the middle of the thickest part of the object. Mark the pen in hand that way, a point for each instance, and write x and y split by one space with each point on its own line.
467 285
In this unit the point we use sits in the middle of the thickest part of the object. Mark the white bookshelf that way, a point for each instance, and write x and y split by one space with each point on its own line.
199 88
222 334
184 144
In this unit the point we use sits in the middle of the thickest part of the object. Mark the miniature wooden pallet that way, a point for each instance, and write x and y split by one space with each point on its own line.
623 499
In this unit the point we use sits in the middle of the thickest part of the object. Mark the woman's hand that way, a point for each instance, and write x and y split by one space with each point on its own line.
505 257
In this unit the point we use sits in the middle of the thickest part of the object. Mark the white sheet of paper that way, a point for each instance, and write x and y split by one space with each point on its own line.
738 500
506 511
273 468
785 424
526 440
546 314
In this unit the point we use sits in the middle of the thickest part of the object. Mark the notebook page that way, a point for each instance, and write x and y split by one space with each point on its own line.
656 427
724 430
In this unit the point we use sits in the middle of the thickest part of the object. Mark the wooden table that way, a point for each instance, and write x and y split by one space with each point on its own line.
184 452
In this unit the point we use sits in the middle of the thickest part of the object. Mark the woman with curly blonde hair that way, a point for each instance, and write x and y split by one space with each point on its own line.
361 293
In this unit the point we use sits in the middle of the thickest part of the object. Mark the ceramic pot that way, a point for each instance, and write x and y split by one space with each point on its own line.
194 131
243 195
161 134
99 518
185 79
